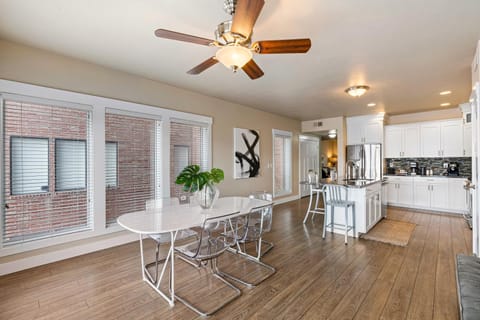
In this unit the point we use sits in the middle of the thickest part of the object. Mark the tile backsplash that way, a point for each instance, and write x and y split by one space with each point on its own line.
464 164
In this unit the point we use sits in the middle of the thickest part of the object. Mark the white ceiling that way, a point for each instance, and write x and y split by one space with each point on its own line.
407 51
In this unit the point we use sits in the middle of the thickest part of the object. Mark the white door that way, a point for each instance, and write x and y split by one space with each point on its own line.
467 140
475 98
430 140
309 160
452 138
457 195
393 142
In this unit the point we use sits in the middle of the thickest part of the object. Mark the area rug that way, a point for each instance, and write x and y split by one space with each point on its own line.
390 231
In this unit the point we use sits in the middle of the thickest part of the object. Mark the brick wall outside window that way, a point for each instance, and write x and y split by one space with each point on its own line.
135 138
49 212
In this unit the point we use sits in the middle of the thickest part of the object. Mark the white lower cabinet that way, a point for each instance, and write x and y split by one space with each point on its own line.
400 191
457 195
373 207
430 193
438 194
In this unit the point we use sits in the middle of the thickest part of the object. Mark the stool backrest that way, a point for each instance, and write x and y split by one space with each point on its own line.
335 193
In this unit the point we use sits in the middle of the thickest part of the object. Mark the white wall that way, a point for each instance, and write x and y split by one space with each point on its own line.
30 65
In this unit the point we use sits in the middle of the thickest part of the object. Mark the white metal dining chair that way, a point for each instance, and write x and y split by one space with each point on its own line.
337 196
163 238
212 241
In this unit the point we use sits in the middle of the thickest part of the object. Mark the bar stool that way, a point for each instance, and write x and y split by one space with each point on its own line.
314 188
337 196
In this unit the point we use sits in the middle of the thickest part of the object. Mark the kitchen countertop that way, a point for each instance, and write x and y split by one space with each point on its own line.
420 176
344 182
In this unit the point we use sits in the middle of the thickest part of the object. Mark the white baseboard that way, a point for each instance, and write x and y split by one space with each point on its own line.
56 253
286 199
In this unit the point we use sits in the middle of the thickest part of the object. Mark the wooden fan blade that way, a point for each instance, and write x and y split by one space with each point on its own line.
252 70
203 66
172 35
282 46
246 14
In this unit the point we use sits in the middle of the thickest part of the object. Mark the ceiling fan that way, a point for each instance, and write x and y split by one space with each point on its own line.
233 38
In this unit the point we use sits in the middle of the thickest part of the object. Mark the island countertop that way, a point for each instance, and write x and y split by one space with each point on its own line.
363 183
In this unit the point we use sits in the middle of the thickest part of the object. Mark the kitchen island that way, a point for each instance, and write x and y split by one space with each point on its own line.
367 195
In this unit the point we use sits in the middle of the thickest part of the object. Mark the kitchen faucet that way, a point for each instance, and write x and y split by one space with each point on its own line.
351 168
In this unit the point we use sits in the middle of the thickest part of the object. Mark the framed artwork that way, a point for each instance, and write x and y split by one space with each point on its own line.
246 143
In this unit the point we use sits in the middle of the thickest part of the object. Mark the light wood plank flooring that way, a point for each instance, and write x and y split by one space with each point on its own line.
315 279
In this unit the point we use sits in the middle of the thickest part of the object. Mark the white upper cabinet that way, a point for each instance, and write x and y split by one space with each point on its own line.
451 138
393 141
402 141
430 140
441 138
365 129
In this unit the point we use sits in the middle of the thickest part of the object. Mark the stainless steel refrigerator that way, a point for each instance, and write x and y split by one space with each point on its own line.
366 159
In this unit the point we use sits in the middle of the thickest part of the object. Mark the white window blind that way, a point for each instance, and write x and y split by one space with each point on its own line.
29 161
70 164
282 162
111 158
34 210
189 144
181 156
136 145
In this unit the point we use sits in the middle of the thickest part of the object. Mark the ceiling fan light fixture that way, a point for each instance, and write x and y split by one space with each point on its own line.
234 56
357 91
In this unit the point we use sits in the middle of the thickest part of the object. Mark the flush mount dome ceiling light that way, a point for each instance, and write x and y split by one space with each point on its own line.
357 91
332 133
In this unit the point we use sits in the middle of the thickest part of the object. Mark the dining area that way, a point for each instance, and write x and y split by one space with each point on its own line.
188 242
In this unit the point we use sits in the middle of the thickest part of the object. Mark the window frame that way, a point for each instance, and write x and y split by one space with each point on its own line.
11 165
86 165
12 90
116 165
289 135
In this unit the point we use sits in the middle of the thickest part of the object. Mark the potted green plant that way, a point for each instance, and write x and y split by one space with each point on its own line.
201 183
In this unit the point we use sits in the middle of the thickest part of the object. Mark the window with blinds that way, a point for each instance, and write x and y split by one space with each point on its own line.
136 145
282 162
70 164
111 164
189 144
29 161
45 152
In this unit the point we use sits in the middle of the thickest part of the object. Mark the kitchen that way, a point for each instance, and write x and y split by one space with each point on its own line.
426 163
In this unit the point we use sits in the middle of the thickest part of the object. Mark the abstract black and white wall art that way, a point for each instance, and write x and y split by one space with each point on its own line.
247 153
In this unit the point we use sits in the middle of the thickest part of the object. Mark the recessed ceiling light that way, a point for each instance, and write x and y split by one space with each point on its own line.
446 104
357 91
444 93
373 104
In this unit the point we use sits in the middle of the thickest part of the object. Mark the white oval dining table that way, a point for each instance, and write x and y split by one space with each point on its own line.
171 219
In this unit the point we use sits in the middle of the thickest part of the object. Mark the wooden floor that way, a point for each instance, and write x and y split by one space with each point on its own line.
315 279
